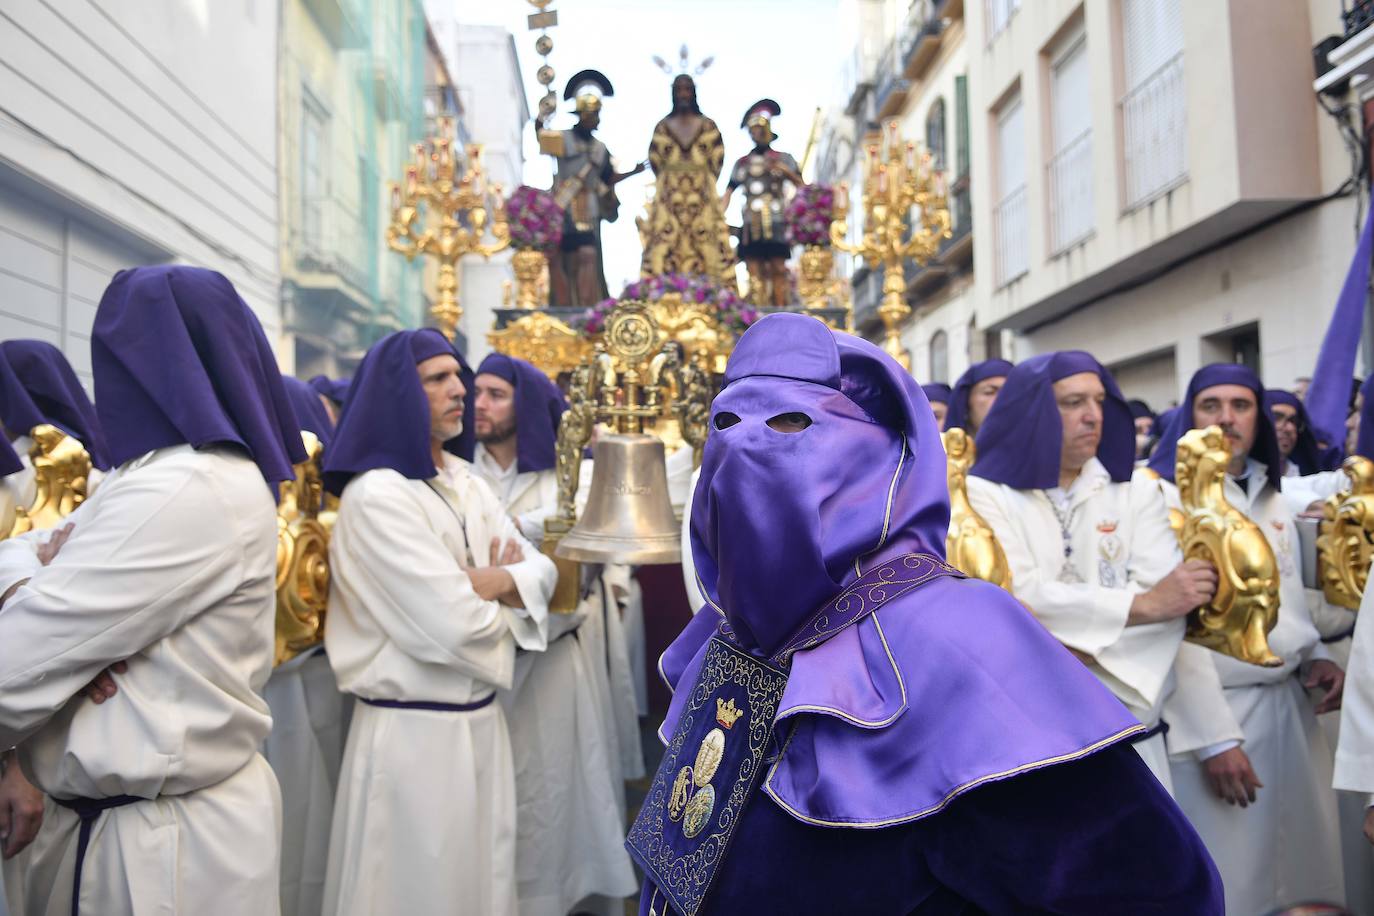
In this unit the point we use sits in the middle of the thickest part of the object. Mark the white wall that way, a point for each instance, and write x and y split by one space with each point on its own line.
155 122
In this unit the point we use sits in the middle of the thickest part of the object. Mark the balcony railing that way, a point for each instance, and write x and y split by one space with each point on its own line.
1358 14
1154 118
1070 175
997 15
920 35
1011 237
332 240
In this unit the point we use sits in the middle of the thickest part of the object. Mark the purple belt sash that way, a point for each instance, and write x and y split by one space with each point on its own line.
89 810
430 706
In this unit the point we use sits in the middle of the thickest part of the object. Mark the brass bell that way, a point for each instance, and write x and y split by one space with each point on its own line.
628 518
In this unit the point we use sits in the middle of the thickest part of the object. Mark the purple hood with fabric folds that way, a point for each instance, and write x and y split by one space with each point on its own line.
1308 455
1180 421
336 389
310 413
1020 441
963 386
539 405
38 385
937 391
385 421
946 688
179 358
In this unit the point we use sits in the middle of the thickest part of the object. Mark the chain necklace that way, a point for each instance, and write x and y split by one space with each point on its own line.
1068 573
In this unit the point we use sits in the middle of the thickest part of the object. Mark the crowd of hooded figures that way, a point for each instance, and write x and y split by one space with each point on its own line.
925 742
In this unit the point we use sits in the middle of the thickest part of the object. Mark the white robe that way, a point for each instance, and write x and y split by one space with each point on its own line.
1354 770
1121 546
171 566
424 819
562 741
1285 847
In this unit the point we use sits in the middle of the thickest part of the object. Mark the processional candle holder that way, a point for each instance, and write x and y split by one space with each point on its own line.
635 376
443 211
1345 547
906 217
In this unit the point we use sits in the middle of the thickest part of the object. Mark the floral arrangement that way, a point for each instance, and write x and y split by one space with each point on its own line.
809 215
732 311
536 220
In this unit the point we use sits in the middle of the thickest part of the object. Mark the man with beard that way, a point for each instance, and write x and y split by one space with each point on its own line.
432 590
686 230
1090 549
974 394
1264 805
584 186
559 704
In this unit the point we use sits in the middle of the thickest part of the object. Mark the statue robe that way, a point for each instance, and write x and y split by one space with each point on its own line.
425 813
686 230
562 739
1122 545
191 606
1285 847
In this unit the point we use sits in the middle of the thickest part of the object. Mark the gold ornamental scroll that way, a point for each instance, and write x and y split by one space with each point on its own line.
972 545
1345 547
62 471
543 340
302 558
1245 608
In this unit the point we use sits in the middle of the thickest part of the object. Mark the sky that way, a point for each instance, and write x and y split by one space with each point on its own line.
788 50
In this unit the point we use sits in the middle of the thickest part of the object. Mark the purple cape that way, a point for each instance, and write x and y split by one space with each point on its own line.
385 421
1020 441
179 358
539 405
305 401
1266 447
937 391
1328 397
947 688
37 385
957 418
336 389
1308 456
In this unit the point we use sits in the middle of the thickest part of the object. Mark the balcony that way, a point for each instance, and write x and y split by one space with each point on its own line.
1011 238
1155 134
331 240
340 20
1070 179
958 248
892 86
1357 15
922 33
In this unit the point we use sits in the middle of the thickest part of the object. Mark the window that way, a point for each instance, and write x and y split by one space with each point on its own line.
314 138
1153 110
939 357
935 134
997 14
1070 171
961 153
1012 242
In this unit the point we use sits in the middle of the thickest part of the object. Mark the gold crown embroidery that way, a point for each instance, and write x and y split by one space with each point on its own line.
726 713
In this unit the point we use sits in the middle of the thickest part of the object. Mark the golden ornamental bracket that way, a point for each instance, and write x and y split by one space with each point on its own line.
62 473
1345 547
972 545
302 557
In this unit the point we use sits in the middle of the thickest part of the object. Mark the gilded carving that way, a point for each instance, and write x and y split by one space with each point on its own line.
541 339
972 546
62 470
302 558
1345 548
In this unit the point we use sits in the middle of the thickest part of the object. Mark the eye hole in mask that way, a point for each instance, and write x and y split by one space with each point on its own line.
725 419
789 422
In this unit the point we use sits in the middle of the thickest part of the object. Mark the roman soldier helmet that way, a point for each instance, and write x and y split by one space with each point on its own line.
588 88
762 112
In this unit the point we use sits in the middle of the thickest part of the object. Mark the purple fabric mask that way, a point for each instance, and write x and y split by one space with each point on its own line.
1266 447
309 411
1022 437
38 385
958 416
944 689
539 405
781 522
179 358
385 421
937 391
1308 455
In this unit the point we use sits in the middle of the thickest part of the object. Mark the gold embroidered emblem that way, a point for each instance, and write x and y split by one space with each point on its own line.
709 755
678 799
698 813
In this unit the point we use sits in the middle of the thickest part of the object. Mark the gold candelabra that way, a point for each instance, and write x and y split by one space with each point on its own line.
906 216
439 212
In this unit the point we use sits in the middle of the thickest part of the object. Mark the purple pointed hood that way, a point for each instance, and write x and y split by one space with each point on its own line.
539 405
385 420
1266 447
1020 441
958 416
178 358
38 385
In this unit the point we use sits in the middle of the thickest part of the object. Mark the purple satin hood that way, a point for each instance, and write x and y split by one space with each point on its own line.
1021 440
963 385
1180 421
941 690
539 405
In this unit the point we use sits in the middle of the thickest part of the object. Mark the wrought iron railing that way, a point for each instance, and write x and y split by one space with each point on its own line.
1154 118
1357 14
1011 237
1070 180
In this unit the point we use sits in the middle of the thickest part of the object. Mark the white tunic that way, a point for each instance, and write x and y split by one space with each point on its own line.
1120 545
1285 847
565 784
171 566
425 812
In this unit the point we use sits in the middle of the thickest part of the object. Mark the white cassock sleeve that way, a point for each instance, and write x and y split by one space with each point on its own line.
1355 750
1082 616
131 573
1200 720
